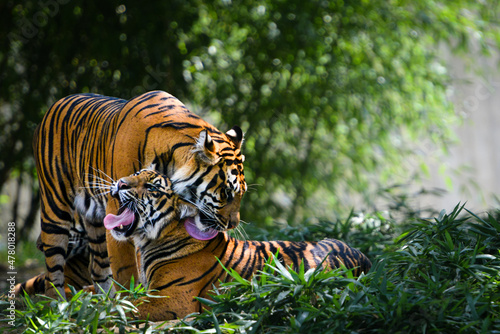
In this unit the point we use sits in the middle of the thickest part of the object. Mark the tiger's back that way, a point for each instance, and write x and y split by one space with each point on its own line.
247 257
69 148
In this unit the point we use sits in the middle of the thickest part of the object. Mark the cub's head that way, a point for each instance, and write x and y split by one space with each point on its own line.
149 208
211 176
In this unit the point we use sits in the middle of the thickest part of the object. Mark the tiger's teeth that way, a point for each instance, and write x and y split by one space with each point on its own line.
121 226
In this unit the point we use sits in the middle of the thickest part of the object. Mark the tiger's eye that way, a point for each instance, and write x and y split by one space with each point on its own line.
151 187
229 193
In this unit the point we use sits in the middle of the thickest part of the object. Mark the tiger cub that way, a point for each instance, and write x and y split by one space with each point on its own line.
177 254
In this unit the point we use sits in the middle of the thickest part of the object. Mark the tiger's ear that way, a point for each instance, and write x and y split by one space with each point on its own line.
152 166
204 148
236 136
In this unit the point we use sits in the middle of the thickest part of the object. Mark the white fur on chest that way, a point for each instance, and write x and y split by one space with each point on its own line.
90 210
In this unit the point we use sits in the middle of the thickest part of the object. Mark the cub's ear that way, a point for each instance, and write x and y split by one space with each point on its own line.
236 136
204 148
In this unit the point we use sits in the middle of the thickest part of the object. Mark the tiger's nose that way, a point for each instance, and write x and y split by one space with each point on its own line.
120 185
234 220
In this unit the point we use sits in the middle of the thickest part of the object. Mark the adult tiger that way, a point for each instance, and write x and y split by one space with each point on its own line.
177 254
83 138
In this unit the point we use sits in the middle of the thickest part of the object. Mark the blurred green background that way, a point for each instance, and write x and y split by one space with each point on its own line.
330 94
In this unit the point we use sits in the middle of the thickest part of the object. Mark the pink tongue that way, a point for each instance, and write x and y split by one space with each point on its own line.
193 231
125 218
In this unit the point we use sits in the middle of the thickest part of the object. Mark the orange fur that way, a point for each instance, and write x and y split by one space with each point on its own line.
194 271
181 267
86 139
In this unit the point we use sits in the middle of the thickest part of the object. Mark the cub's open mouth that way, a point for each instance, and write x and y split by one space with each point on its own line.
124 222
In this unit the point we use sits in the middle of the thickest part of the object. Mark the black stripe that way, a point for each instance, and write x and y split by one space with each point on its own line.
51 228
103 254
149 106
99 240
119 271
55 268
49 252
169 284
150 258
104 264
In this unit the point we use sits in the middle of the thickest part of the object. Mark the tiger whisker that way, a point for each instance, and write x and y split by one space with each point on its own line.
94 186
96 179
141 207
252 187
240 233
103 182
205 210
140 204
140 163
242 227
100 171
96 192
102 193
97 186
124 205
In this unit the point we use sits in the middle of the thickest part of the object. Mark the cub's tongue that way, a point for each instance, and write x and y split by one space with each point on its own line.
125 218
193 231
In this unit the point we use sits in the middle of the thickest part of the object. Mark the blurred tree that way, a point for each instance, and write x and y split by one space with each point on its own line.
326 90
330 91
53 48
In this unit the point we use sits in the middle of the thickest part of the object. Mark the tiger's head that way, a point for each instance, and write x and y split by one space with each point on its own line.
147 207
204 164
212 178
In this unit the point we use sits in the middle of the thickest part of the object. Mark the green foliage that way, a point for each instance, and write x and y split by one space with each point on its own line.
278 300
441 275
444 277
84 312
371 233
26 253
328 92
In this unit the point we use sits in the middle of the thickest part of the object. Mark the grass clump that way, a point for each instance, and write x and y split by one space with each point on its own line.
440 275
82 313
444 277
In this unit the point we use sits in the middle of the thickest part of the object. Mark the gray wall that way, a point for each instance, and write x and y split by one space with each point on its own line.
473 164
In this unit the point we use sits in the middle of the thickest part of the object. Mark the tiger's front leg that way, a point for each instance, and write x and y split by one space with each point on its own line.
54 238
99 267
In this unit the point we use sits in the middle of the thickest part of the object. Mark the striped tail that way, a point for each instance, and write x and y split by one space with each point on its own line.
33 286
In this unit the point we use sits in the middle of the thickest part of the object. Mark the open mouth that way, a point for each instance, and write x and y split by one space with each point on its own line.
204 219
197 229
125 221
